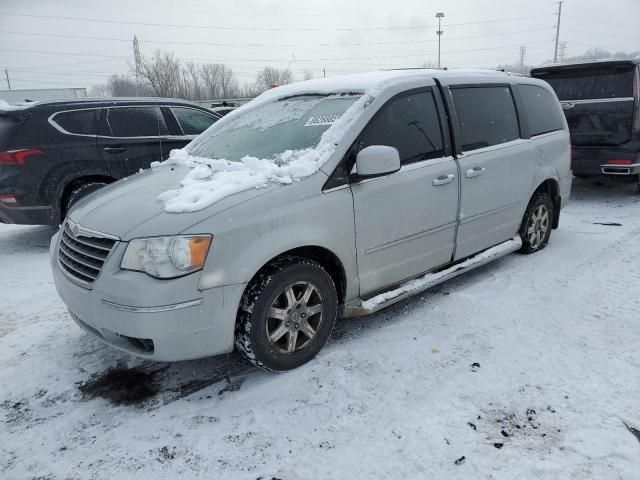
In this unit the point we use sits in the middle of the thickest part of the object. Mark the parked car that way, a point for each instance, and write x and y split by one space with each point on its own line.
427 175
602 105
53 153
222 111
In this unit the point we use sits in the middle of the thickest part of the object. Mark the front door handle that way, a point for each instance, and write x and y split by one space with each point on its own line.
115 149
443 179
475 172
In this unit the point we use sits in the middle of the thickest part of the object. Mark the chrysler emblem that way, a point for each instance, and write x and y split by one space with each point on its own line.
567 105
73 228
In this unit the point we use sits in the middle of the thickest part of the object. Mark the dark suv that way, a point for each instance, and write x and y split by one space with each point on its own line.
55 152
601 101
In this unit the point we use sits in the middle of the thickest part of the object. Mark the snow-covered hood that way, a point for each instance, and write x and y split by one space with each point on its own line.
130 208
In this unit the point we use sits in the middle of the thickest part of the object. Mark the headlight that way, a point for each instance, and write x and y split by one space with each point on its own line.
166 257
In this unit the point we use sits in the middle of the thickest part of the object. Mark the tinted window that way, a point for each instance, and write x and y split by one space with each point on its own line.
410 124
84 122
590 83
543 111
144 121
193 122
486 115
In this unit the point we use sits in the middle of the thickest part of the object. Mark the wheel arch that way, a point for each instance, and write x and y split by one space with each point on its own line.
551 187
321 255
74 182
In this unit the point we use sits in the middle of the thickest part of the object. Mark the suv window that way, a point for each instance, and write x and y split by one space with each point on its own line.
409 123
542 108
192 121
486 116
146 121
82 122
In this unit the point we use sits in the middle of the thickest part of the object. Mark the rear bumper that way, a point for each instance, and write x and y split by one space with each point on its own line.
162 320
632 169
27 215
593 161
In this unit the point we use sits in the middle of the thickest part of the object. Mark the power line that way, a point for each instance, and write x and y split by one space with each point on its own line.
605 34
584 19
210 27
236 44
218 27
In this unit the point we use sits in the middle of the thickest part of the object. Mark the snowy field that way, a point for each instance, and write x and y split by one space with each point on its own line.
527 368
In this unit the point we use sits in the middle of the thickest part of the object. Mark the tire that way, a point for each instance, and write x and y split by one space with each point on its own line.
276 329
537 223
77 192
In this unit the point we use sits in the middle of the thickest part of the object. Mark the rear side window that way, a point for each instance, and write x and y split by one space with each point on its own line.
543 111
80 122
410 124
590 83
146 121
486 115
192 121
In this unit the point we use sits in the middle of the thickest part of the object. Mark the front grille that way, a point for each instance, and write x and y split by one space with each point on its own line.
82 256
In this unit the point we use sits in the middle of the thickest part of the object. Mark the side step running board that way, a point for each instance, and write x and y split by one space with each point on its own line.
420 284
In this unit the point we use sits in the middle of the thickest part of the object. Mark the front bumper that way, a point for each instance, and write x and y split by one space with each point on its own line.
163 320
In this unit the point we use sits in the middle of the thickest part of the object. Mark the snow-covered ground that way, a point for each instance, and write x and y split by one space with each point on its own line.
528 367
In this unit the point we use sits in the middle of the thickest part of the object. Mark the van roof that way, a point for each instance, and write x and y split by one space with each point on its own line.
376 81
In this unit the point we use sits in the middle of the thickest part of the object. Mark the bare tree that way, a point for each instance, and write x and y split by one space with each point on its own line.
122 86
100 90
163 72
307 75
271 77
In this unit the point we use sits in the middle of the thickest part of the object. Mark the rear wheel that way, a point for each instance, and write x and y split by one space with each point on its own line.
79 191
287 314
537 223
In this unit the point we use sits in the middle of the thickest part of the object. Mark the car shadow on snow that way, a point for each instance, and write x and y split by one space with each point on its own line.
25 239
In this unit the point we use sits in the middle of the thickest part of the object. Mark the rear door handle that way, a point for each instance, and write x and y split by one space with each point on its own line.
475 172
443 179
115 149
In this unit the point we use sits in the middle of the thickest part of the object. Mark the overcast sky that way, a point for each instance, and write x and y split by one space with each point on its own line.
40 49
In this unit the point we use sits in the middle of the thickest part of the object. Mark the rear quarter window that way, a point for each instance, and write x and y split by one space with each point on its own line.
143 121
542 110
486 116
192 121
81 122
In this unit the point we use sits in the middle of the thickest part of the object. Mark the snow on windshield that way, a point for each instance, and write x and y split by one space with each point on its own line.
214 176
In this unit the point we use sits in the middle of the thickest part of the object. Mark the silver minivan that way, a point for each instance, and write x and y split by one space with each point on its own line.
326 198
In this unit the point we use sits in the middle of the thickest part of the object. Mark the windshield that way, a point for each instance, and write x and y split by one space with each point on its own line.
591 83
294 123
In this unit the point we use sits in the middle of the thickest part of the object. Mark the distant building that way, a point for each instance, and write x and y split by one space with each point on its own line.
35 94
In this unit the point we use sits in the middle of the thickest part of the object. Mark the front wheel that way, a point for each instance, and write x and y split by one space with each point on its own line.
537 223
286 314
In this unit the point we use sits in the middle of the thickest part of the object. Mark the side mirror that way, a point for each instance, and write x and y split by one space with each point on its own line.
376 161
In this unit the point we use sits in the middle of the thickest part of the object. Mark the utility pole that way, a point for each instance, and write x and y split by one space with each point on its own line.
137 56
523 54
563 51
555 51
324 72
439 16
6 74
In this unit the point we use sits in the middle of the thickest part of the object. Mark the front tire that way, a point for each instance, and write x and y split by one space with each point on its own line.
537 223
286 314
